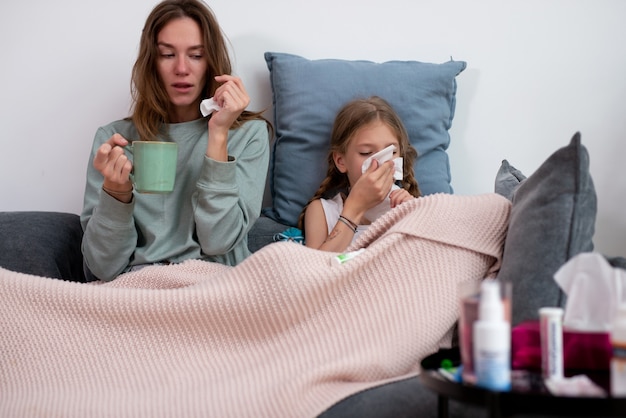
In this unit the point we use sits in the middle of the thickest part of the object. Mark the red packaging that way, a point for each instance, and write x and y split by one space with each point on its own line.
581 350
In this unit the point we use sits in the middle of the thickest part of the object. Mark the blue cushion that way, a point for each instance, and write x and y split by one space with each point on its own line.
307 94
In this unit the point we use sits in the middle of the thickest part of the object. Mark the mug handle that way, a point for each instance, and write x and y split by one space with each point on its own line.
130 147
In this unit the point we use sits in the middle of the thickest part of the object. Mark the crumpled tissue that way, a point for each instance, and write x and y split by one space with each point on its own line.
208 106
383 156
594 289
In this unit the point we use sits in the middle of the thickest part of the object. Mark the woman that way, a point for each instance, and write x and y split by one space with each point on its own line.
222 159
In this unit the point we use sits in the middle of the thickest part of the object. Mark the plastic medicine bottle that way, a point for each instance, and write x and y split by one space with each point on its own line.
492 340
551 335
618 360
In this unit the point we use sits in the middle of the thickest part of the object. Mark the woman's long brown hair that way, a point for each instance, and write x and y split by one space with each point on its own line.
150 100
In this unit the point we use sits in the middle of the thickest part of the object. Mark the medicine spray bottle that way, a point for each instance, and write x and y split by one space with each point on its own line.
492 340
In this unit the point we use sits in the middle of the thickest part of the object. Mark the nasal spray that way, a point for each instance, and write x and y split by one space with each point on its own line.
492 340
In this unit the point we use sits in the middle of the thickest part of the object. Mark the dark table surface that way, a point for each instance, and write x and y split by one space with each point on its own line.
528 395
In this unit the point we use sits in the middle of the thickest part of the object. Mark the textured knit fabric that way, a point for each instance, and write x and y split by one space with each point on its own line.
286 333
207 216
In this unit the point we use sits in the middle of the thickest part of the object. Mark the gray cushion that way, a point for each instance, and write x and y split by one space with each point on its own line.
508 179
617 262
262 232
42 243
406 398
552 219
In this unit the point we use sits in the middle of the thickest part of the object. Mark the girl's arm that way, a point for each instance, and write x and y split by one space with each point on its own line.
316 230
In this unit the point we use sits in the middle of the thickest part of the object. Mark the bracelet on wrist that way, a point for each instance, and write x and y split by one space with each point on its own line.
348 223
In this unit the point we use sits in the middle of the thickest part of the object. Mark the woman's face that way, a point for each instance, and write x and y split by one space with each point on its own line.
368 140
182 66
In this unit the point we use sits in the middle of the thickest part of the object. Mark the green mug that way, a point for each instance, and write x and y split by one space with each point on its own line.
154 166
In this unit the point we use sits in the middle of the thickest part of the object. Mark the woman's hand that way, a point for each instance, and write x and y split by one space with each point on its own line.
233 99
111 161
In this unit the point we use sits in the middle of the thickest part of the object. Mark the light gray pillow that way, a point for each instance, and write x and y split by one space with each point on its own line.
552 219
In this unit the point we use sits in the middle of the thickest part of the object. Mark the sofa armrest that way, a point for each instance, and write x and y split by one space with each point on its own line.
42 243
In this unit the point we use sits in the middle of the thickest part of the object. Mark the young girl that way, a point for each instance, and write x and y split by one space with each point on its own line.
337 212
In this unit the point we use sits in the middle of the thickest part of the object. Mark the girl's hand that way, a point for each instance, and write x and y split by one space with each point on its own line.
399 196
369 190
111 161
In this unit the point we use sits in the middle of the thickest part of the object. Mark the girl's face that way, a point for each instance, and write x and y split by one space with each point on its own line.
182 66
368 140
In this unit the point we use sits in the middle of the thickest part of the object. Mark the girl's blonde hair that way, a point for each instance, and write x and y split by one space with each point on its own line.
151 103
351 117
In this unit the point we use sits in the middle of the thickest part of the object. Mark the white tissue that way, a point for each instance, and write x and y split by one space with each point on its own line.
208 106
594 291
579 385
383 156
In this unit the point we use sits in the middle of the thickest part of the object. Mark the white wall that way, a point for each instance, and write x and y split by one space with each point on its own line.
538 71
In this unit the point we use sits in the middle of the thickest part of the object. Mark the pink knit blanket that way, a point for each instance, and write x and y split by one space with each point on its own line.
288 332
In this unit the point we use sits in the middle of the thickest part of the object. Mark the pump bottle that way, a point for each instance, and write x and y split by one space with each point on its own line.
492 340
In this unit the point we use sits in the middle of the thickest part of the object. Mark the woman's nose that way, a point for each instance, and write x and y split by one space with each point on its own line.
181 65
